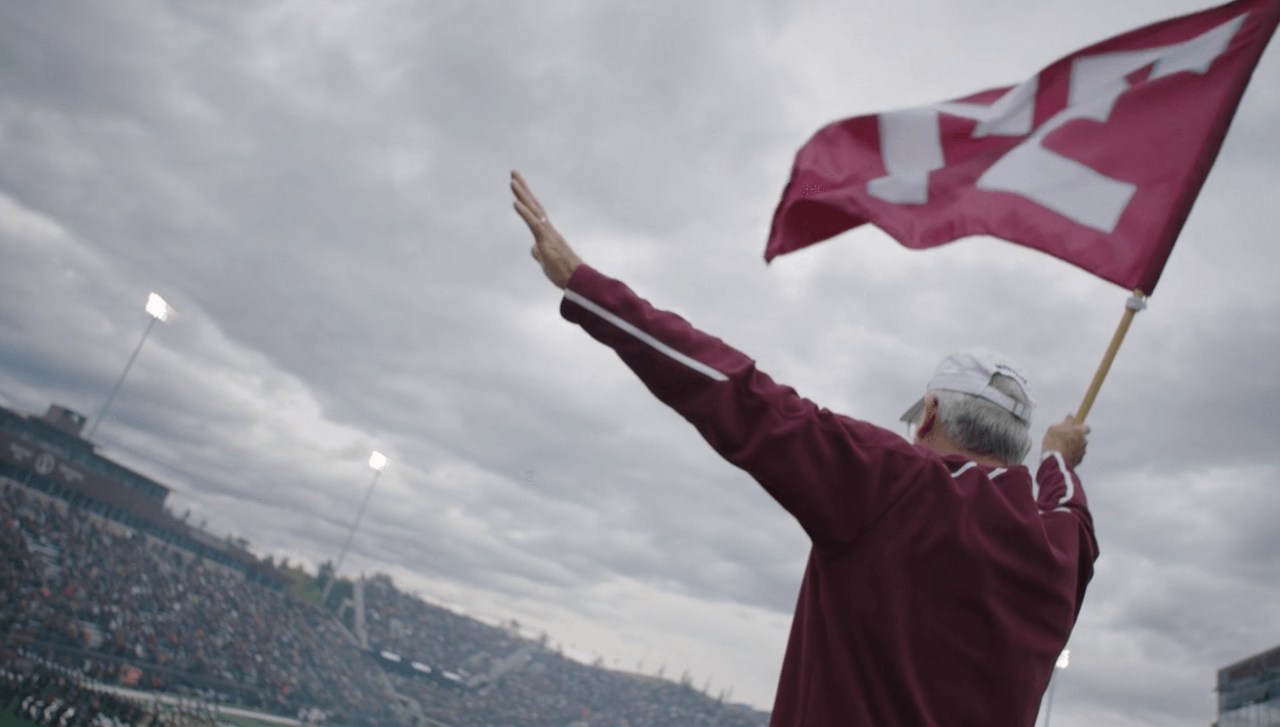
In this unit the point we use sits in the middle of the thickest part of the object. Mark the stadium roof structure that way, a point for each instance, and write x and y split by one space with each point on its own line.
49 454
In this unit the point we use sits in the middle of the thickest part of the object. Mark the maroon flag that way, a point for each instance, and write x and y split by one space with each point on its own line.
1095 160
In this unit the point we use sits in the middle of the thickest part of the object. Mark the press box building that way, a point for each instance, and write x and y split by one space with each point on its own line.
1249 692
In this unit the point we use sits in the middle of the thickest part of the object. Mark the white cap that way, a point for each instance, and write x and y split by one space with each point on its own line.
970 372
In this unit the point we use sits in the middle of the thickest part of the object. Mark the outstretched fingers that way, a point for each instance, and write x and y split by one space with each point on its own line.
525 195
531 218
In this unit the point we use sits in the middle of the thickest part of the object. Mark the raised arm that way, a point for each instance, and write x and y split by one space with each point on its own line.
822 467
1063 506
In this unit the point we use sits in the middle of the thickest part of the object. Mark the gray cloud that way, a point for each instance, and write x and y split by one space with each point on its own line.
321 192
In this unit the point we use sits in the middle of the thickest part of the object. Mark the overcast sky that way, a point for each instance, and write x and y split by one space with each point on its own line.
320 189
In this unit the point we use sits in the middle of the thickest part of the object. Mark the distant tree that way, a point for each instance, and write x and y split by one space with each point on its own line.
324 573
301 584
342 590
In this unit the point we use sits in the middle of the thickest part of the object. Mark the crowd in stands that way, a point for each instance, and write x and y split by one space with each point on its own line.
508 680
75 586
49 695
118 607
554 691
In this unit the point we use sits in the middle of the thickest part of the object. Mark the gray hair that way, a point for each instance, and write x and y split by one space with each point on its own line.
984 428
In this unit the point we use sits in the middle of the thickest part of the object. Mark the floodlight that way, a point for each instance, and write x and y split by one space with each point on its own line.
1063 659
377 462
159 309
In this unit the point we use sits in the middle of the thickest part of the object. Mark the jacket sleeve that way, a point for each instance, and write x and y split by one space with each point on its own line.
1064 510
835 475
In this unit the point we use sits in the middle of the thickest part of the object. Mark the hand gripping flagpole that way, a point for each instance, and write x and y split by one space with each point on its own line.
1136 302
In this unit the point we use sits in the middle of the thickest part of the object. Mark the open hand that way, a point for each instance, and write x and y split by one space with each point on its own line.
557 259
1067 438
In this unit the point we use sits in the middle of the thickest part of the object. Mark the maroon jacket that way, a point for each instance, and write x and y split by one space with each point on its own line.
938 591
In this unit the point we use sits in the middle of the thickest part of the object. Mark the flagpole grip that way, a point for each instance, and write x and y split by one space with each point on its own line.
1135 303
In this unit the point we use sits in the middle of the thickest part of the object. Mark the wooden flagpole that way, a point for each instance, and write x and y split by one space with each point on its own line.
1136 302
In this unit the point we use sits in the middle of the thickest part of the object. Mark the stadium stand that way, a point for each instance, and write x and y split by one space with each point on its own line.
102 588
505 679
46 694
126 607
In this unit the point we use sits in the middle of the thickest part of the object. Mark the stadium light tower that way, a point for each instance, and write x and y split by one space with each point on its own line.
1063 660
159 310
377 462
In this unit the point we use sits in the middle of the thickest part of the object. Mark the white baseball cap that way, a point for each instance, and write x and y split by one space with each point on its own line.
970 372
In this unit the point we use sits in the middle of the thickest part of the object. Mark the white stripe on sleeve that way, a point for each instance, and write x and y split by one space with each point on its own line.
654 343
1066 475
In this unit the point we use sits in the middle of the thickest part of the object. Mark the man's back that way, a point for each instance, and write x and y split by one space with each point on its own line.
950 610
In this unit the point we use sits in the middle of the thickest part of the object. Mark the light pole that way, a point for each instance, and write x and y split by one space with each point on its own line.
159 311
377 462
1063 659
